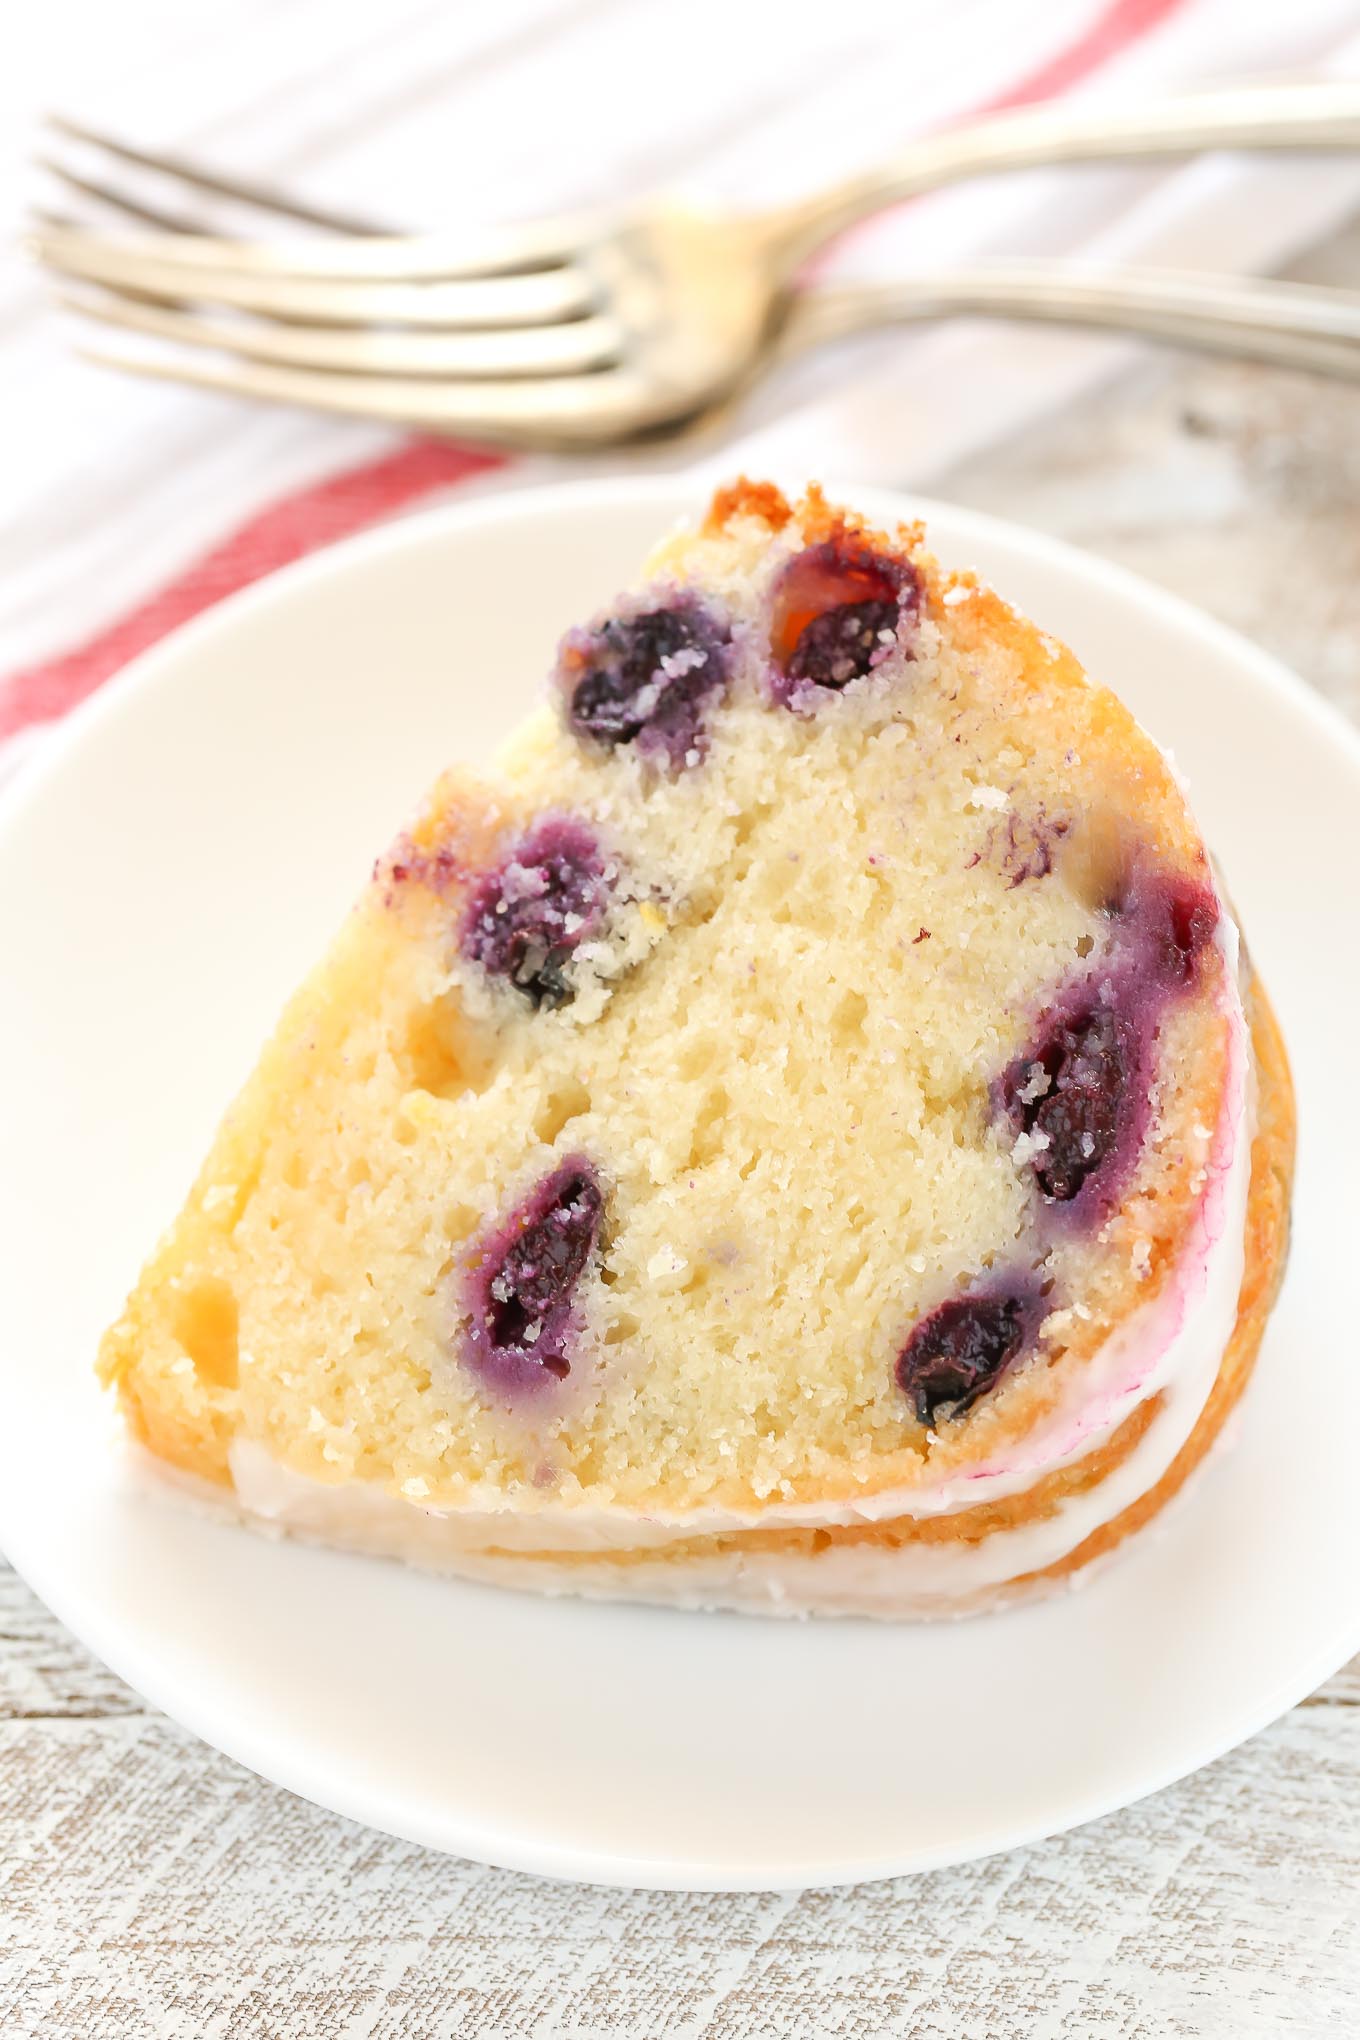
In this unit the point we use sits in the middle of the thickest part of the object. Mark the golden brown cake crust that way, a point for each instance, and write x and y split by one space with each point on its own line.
745 498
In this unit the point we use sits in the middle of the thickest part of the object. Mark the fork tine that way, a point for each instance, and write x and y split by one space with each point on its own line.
402 258
566 411
576 347
359 248
117 201
534 298
261 197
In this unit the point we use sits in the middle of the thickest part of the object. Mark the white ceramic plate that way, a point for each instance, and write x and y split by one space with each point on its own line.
166 877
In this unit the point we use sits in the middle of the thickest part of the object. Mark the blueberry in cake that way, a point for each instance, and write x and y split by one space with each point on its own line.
804 1135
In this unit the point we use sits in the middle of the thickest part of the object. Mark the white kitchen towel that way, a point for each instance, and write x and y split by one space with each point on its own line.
127 507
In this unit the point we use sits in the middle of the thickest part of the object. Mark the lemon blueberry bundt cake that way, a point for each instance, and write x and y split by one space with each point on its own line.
804 1135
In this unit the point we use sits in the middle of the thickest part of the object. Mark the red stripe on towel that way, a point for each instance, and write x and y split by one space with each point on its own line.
289 529
1123 23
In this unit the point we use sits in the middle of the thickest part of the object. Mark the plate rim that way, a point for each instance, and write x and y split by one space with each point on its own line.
291 1768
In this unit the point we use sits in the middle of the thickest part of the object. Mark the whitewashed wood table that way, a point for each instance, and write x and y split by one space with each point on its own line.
149 1887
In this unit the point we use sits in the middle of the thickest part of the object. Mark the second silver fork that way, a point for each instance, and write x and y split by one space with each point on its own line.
588 332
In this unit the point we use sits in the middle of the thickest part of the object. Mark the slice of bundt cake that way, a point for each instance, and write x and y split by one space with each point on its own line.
803 1135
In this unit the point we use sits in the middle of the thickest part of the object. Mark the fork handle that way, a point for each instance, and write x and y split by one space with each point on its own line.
1290 325
1321 116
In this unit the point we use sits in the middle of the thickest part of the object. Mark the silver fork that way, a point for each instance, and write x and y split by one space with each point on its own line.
601 328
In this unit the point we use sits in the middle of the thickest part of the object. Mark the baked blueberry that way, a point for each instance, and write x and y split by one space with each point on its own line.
521 1278
835 614
963 1347
647 680
1069 1091
527 918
